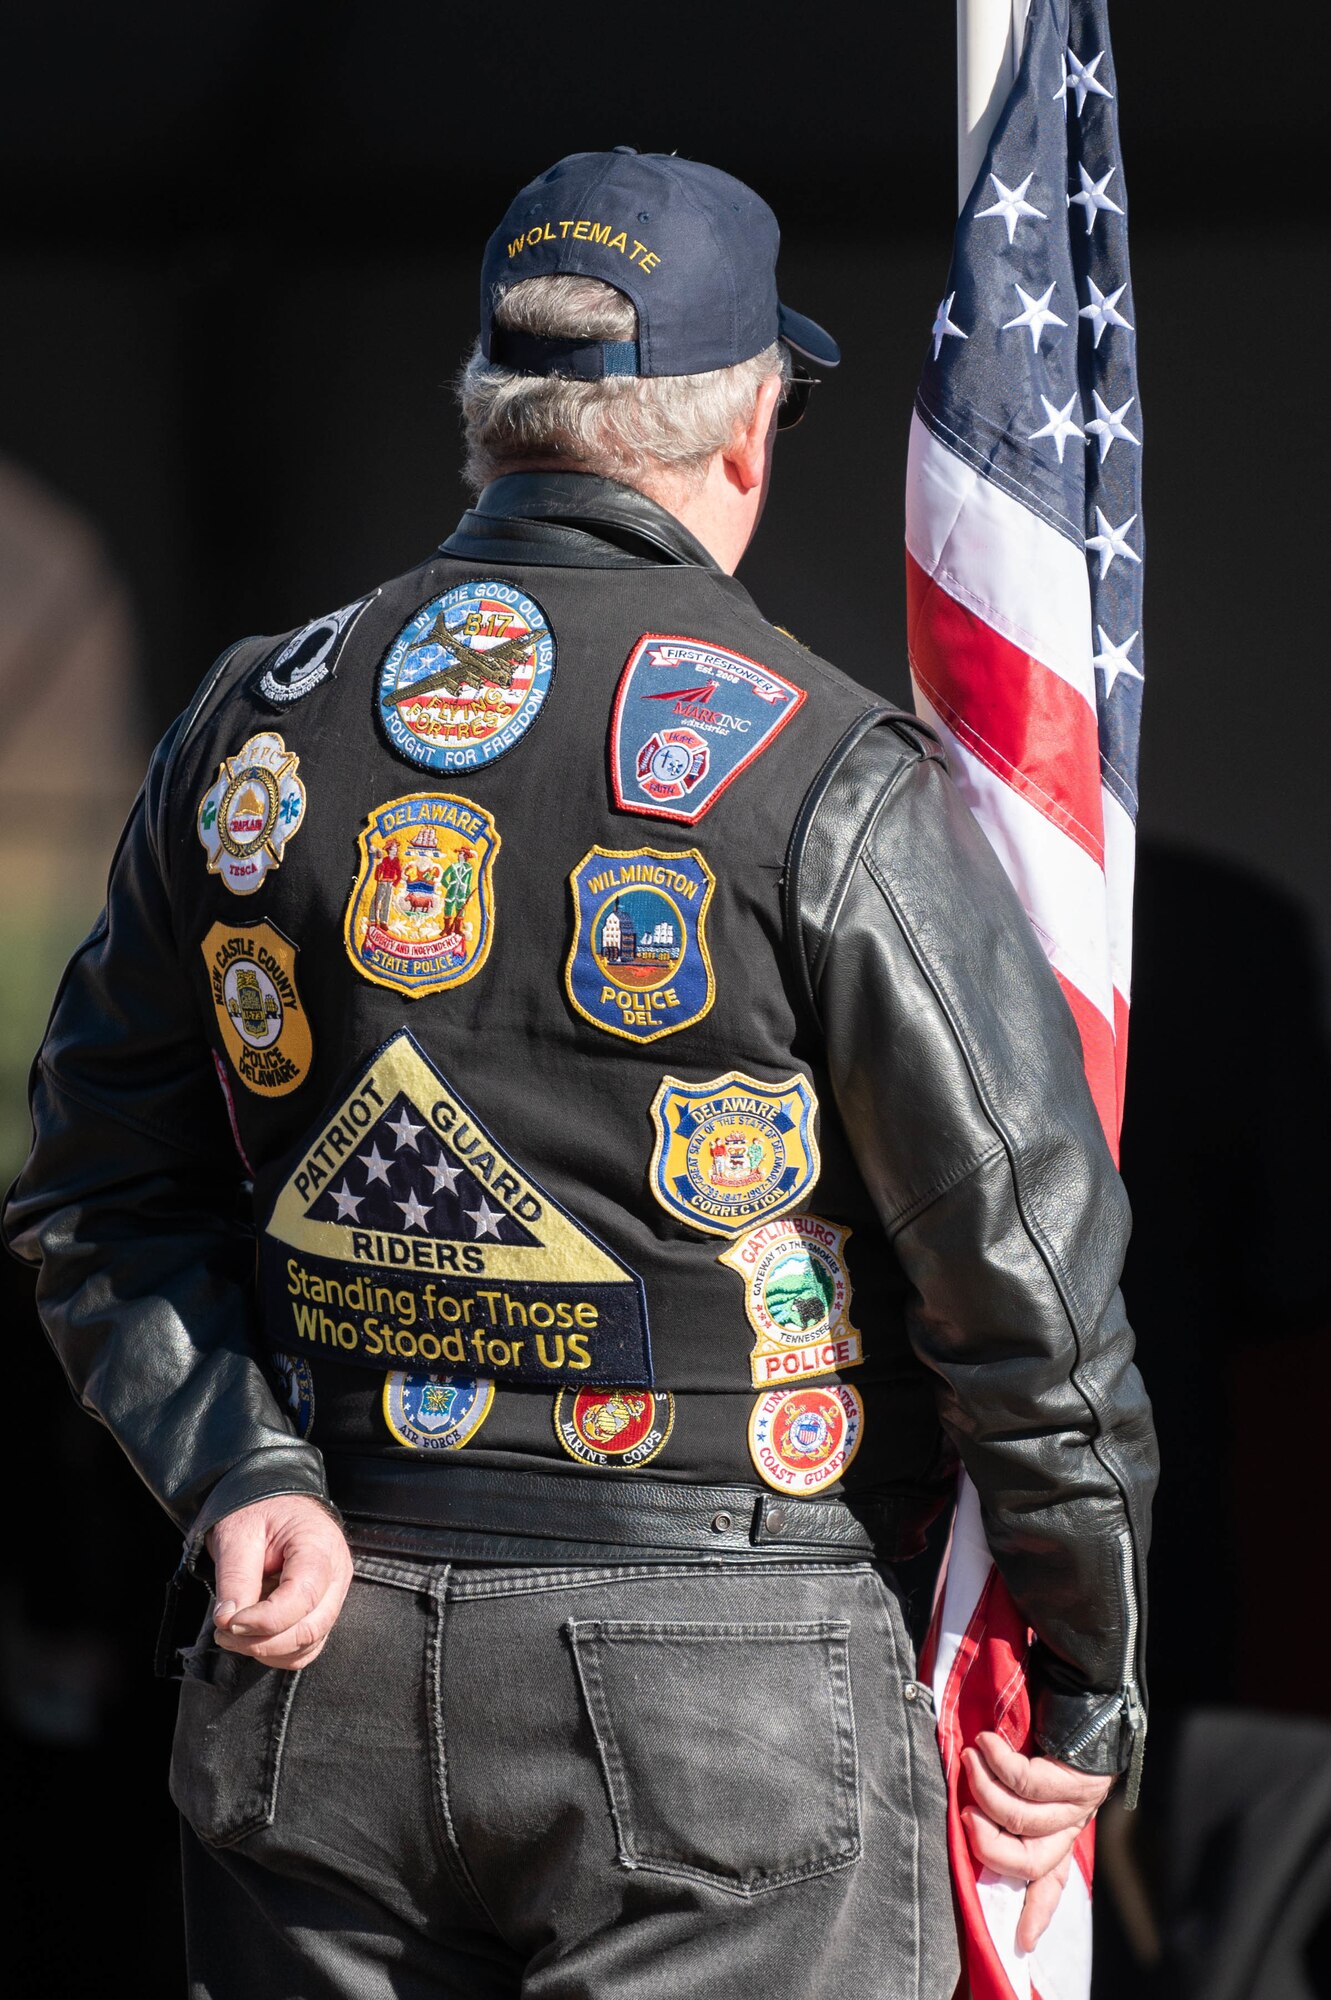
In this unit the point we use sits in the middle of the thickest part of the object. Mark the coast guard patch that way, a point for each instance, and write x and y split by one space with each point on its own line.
252 983
252 809
733 1151
797 1297
466 677
688 718
421 913
310 658
295 1381
613 1427
801 1440
404 1236
639 964
436 1412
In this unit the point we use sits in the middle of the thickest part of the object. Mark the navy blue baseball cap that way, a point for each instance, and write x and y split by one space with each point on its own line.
691 247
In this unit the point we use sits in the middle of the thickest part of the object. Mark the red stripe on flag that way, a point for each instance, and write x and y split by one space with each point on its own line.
1023 721
1100 1055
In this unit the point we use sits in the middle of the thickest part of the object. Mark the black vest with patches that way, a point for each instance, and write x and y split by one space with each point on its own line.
469 1183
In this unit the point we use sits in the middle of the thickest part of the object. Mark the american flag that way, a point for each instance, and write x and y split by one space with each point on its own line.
1024 577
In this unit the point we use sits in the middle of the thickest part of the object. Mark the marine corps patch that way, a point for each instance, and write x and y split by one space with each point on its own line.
613 1427
253 808
466 677
639 964
733 1151
436 1412
797 1297
688 718
801 1440
252 983
404 1236
421 913
310 658
295 1380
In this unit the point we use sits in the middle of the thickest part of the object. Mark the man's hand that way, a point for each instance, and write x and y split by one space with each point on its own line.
1026 1815
283 1570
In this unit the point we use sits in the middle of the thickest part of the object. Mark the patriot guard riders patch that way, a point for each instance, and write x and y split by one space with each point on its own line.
421 913
639 964
306 661
466 678
733 1151
797 1297
613 1427
801 1440
406 1237
252 983
436 1412
252 809
688 718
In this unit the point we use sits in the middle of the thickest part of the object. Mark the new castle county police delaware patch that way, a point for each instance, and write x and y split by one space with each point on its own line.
733 1151
436 1412
306 661
688 718
421 912
617 1428
466 677
252 984
252 809
295 1381
797 1297
639 964
801 1440
404 1236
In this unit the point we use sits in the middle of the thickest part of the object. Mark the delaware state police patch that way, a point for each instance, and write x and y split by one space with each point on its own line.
421 913
436 1412
733 1151
466 677
688 718
639 964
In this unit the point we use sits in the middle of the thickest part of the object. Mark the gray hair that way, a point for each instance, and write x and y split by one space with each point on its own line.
622 426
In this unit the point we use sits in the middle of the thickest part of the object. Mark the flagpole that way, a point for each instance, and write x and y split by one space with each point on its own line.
989 41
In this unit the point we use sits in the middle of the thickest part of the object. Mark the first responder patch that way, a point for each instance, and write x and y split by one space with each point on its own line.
797 1297
252 985
688 718
251 810
295 1381
294 670
639 964
404 1236
421 913
733 1151
613 1427
436 1412
801 1440
466 677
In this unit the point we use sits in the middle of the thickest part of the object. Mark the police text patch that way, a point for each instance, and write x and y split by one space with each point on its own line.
639 964
797 1298
688 718
252 984
733 1150
421 913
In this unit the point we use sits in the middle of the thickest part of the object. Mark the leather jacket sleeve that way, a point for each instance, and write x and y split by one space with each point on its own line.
133 1204
957 1070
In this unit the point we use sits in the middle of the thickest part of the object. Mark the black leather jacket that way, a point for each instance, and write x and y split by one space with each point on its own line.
955 1069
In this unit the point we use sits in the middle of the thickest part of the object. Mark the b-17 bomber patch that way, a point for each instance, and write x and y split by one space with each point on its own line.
252 984
688 718
406 1237
639 965
466 677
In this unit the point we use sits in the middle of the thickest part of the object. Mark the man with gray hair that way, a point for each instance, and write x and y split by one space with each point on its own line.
549 1306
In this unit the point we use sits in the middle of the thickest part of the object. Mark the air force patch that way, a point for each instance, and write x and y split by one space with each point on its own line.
421 913
797 1297
466 677
688 718
435 1412
310 658
639 964
252 984
252 809
406 1237
733 1151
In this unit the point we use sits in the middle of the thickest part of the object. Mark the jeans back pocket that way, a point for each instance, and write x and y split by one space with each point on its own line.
227 1755
728 1751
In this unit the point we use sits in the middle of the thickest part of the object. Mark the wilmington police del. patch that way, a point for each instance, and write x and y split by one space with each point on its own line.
688 718
639 964
466 677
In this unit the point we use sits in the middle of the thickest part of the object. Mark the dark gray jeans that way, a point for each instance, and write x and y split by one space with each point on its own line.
637 1783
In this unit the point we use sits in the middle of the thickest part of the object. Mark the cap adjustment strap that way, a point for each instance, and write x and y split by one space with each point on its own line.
544 354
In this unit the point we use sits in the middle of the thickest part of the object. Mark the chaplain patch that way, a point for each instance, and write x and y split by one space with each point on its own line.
436 1412
421 914
295 1381
253 808
733 1151
801 1440
252 983
797 1297
613 1427
310 658
688 718
639 964
466 678
405 1236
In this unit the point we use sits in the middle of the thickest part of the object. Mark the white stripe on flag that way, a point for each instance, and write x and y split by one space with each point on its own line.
1120 863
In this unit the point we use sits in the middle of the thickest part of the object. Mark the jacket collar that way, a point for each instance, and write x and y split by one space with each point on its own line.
573 518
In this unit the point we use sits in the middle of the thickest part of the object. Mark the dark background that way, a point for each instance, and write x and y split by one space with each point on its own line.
238 247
